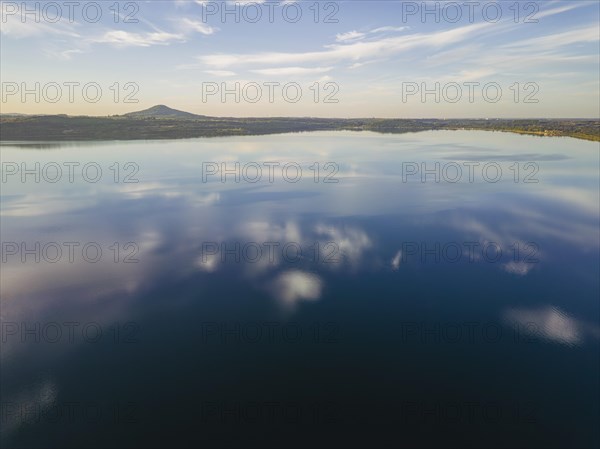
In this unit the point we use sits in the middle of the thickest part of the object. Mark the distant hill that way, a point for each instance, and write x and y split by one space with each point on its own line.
162 111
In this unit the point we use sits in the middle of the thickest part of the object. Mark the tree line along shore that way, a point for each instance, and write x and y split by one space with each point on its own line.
136 127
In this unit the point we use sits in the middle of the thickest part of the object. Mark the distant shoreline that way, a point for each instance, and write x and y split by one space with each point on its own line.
138 126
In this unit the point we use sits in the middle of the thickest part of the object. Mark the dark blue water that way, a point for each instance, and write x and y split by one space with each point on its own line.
358 306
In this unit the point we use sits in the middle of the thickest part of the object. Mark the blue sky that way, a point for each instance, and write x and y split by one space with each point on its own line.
369 57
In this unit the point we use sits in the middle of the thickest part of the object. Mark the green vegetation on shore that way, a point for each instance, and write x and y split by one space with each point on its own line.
168 125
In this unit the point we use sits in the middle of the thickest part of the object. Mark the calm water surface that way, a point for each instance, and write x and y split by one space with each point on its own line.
372 310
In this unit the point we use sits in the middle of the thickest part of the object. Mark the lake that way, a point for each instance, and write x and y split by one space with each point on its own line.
332 289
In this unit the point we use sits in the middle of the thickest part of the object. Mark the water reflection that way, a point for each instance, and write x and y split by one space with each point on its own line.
552 324
368 251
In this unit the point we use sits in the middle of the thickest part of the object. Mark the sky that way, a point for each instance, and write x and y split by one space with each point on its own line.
322 59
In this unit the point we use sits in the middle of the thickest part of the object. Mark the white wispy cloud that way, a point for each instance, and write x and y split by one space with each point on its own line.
361 64
387 29
194 25
552 41
14 27
356 35
245 2
121 38
290 71
355 51
554 11
63 55
324 79
349 36
220 72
